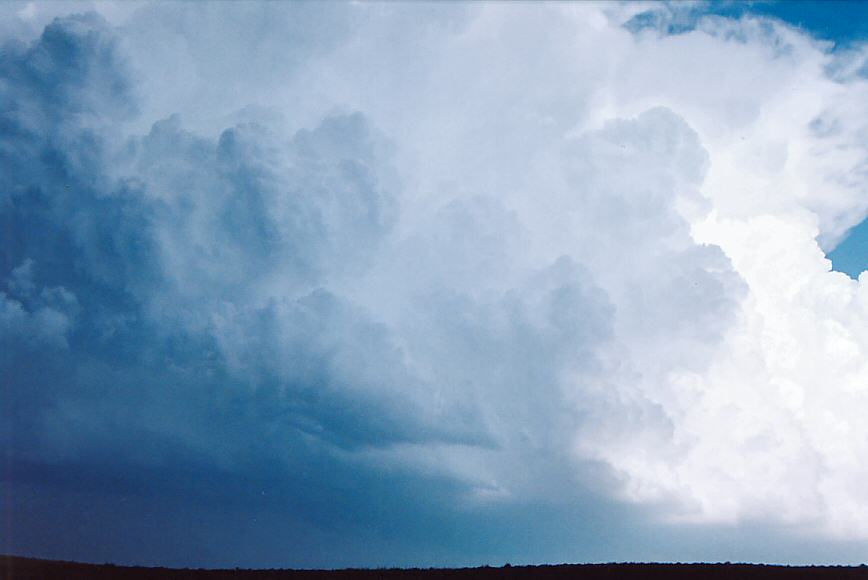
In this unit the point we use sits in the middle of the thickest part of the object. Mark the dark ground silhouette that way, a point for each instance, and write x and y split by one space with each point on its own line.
16 568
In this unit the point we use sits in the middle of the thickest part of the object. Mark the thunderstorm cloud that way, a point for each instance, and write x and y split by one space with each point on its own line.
362 284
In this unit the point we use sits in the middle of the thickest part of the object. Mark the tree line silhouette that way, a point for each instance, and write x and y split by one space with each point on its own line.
19 568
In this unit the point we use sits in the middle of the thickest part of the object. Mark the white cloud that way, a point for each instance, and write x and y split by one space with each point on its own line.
544 240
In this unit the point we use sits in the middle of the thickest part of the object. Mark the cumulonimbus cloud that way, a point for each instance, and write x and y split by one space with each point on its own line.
430 252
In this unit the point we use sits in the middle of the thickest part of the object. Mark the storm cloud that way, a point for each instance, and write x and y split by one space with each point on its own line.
383 284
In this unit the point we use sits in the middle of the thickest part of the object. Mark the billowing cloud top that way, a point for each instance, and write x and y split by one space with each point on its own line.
332 284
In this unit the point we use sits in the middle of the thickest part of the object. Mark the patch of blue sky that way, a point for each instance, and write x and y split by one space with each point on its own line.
840 21
851 255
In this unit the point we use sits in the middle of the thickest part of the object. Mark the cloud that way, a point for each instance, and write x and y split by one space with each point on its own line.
388 274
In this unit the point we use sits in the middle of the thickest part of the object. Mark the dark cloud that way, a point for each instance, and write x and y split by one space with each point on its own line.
144 353
126 265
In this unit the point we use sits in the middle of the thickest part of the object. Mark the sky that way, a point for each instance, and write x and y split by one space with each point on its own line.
407 284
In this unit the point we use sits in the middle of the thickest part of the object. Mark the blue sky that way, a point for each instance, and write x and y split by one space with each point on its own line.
840 21
851 255
433 284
